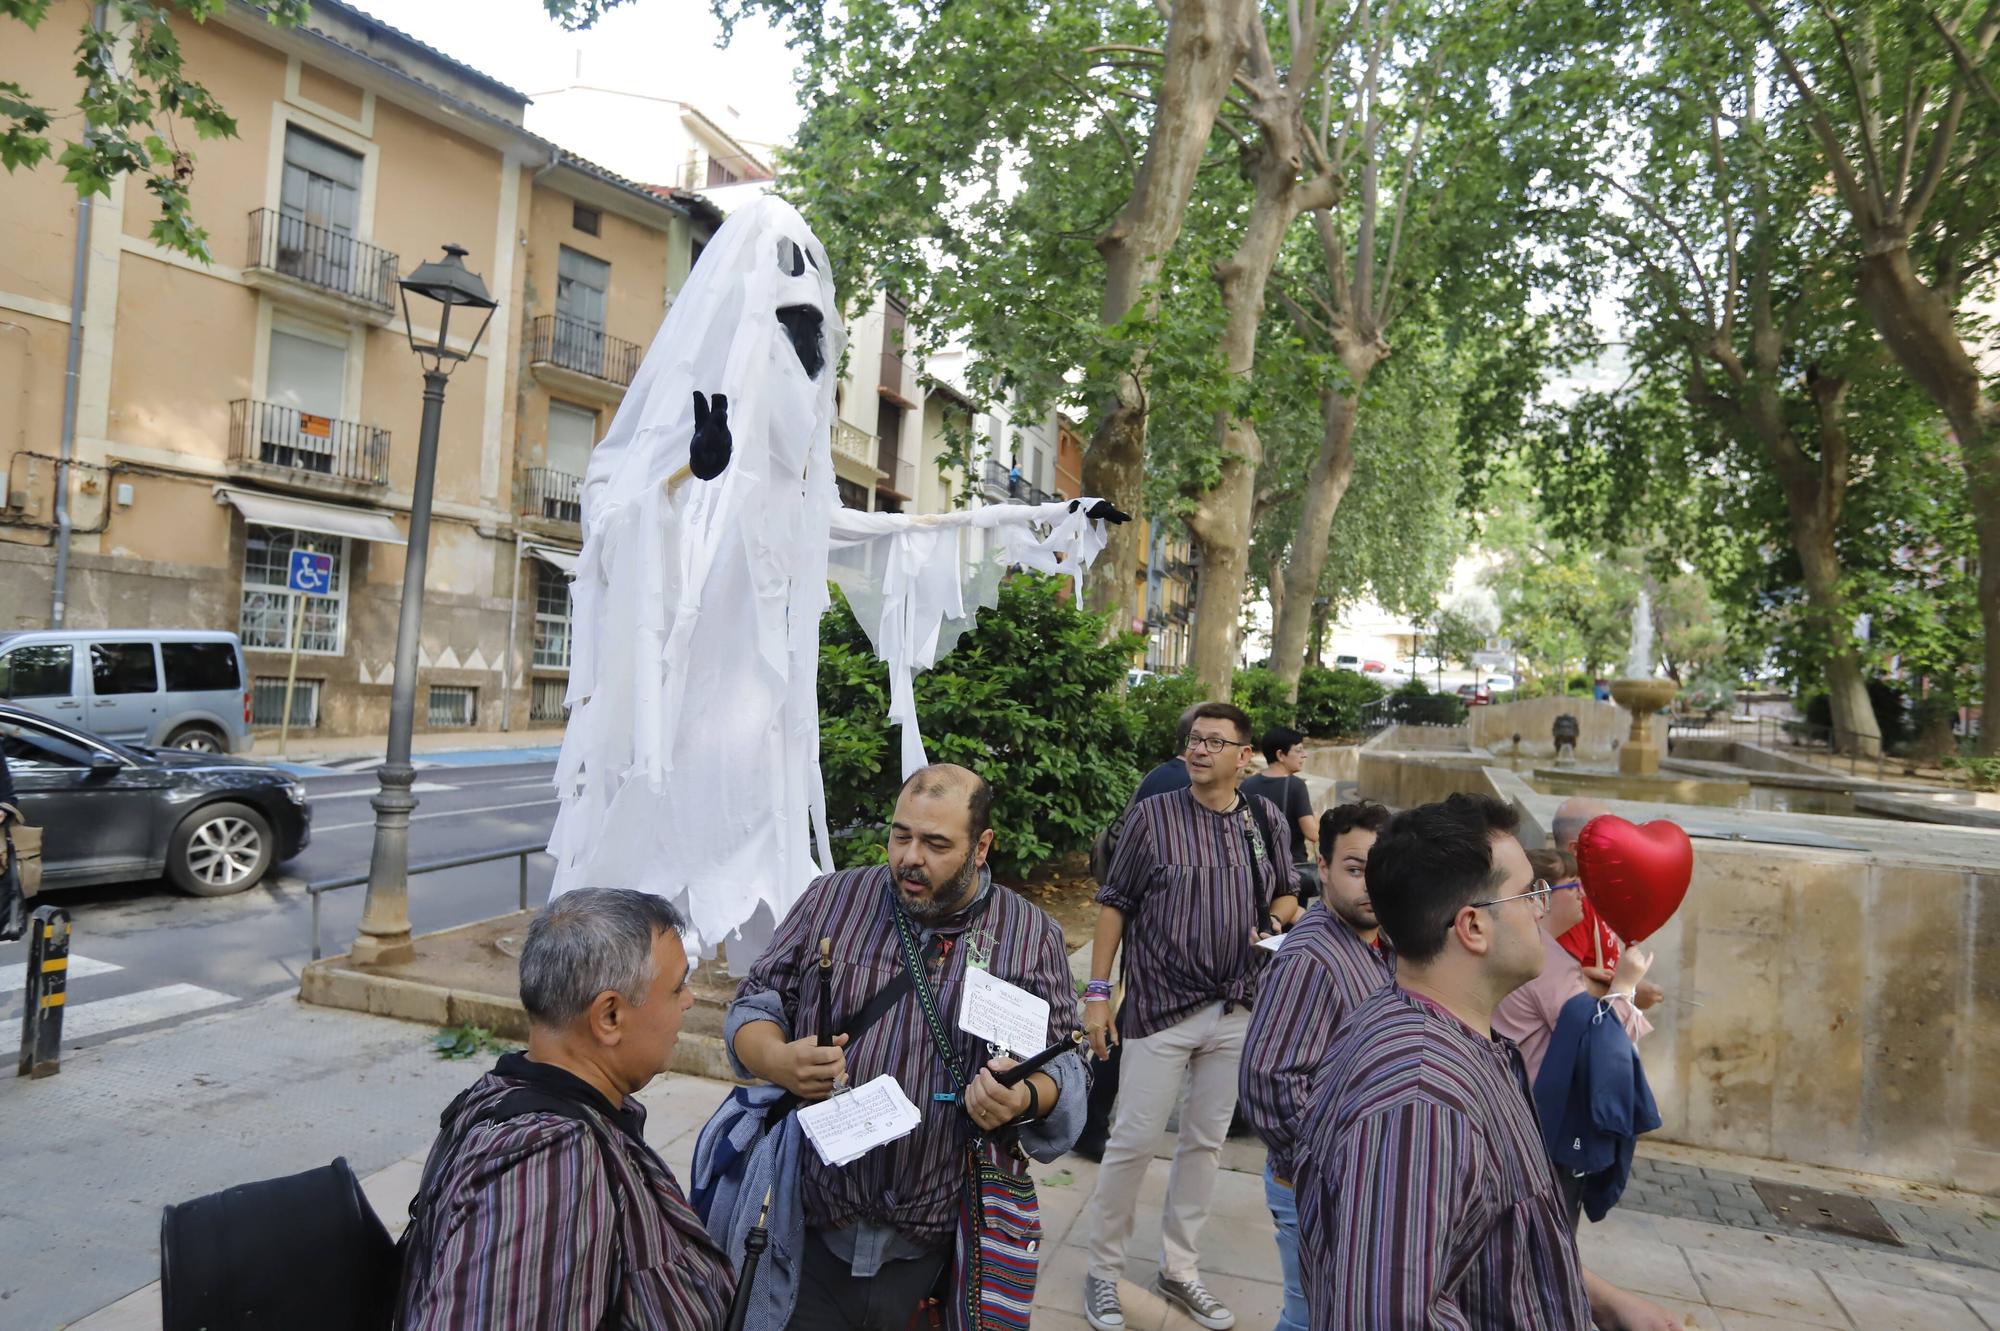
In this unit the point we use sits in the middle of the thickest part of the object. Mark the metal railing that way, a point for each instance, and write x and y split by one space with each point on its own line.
322 257
518 853
555 496
1404 709
279 436
569 344
1001 481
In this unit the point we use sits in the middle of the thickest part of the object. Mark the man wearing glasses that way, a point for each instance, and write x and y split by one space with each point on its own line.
1426 1196
1195 882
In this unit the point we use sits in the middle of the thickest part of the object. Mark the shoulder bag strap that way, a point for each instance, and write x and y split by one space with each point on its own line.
906 937
1257 815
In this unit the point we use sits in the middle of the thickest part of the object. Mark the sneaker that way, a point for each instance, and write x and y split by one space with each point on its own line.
1194 1299
1100 1304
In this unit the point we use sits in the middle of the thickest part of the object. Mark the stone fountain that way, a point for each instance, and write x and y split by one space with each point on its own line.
1641 694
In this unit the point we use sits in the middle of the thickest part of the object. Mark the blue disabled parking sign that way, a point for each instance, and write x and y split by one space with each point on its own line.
310 573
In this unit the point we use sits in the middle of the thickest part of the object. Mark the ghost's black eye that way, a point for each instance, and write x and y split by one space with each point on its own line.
814 262
802 323
791 258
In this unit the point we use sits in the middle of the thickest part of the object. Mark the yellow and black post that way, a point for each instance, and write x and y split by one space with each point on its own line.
48 986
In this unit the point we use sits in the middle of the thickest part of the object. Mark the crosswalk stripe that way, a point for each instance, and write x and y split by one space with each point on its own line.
112 1014
15 978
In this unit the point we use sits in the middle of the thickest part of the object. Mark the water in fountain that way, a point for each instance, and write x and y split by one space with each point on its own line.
1639 662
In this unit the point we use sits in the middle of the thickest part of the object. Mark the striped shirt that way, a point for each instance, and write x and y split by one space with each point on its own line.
1192 884
1426 1197
540 1223
915 1183
1322 973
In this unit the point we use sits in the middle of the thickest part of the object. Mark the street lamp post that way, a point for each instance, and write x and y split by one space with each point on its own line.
385 919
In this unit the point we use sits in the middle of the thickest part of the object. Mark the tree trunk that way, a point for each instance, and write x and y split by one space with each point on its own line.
1916 324
1326 486
1205 43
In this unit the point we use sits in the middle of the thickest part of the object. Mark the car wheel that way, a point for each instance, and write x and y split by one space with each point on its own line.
220 850
195 739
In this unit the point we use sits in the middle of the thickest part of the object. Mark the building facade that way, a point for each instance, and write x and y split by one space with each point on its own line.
228 414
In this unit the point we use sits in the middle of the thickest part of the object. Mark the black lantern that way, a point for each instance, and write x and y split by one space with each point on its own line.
447 282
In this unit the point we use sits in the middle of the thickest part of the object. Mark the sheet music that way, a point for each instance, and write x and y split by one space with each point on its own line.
1273 943
846 1127
1002 1014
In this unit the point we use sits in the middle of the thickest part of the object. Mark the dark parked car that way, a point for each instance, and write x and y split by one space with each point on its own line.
115 812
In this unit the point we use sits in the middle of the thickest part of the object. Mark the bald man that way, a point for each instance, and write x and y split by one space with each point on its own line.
879 1230
1591 941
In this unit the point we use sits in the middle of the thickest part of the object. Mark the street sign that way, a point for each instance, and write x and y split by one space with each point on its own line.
310 573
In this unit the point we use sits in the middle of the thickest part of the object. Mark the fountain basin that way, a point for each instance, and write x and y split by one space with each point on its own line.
1643 698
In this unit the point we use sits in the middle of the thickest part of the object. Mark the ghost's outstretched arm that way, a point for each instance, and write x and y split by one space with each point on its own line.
915 584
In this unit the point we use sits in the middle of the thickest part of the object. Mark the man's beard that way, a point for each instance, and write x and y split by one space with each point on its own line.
1350 915
945 901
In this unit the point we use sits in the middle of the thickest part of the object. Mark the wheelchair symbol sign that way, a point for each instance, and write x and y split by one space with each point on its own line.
310 572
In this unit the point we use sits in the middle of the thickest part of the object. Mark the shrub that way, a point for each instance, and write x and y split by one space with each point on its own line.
1892 717
1262 694
1154 708
1330 701
1028 699
1980 773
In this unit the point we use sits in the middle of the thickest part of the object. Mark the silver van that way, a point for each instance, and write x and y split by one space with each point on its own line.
163 688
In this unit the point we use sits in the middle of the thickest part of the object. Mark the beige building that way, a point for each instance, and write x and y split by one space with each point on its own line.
227 414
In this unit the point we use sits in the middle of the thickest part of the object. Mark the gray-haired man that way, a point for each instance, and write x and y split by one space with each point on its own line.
541 1205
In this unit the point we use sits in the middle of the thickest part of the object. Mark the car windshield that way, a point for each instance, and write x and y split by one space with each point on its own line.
34 730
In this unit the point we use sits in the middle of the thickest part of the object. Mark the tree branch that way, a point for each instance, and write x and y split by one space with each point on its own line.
1868 211
1660 219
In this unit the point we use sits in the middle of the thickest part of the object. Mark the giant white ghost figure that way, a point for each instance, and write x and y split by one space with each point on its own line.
690 767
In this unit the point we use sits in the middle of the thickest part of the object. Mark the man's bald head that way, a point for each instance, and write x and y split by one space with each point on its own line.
950 781
1572 816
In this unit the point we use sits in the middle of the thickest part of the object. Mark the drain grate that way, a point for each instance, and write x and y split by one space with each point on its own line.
1829 1212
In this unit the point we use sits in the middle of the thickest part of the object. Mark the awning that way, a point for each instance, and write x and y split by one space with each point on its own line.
562 561
304 515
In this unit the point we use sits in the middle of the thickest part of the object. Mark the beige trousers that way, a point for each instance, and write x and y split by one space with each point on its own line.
1204 1048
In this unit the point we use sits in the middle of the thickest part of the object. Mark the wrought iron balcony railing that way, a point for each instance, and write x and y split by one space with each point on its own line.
569 344
322 257
553 496
298 441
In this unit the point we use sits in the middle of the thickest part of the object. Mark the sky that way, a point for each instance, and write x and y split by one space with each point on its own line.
666 48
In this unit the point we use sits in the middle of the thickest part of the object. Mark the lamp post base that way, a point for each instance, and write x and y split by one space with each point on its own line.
381 949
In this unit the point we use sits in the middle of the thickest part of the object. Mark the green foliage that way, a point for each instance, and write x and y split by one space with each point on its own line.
133 94
1154 708
1980 773
1028 699
1261 693
1330 701
468 1041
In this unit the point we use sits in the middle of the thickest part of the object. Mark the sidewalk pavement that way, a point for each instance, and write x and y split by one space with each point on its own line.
316 755
276 1087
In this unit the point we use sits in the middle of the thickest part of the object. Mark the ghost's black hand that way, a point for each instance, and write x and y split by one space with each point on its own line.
1101 511
708 453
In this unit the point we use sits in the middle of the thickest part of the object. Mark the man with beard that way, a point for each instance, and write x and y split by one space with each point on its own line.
880 1230
1195 882
1332 960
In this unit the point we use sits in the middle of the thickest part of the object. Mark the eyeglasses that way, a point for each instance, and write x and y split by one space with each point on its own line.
1213 744
1567 885
1537 896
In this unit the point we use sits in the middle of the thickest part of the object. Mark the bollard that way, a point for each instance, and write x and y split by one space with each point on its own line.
48 986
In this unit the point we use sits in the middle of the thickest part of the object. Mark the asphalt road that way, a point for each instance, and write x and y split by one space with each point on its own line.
146 957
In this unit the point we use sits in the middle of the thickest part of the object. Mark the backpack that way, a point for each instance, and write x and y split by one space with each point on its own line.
305 1252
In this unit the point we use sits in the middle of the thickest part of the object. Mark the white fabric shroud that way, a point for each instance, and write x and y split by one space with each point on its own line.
690 766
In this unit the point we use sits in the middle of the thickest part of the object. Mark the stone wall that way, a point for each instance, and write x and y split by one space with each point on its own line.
1603 725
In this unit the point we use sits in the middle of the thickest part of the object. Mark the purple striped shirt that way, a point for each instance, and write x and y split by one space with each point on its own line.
539 1223
1426 1198
914 1183
1192 884
1322 973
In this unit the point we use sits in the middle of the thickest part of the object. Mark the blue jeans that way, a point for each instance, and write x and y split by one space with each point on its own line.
1285 1211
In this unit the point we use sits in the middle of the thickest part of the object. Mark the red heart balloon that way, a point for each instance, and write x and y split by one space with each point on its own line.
1638 876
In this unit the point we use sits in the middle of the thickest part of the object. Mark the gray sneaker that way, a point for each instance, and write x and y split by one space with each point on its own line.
1193 1298
1100 1304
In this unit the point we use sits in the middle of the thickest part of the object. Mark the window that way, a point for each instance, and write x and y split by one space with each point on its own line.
305 381
551 618
38 672
29 747
267 702
572 434
200 667
584 219
545 701
319 201
123 667
266 622
720 175
581 282
452 706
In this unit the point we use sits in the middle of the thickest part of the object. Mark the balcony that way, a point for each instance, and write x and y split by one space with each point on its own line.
553 496
321 267
857 446
296 448
1002 485
566 353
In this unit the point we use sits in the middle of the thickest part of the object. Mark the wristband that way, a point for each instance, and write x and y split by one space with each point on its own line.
1034 1109
1096 991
